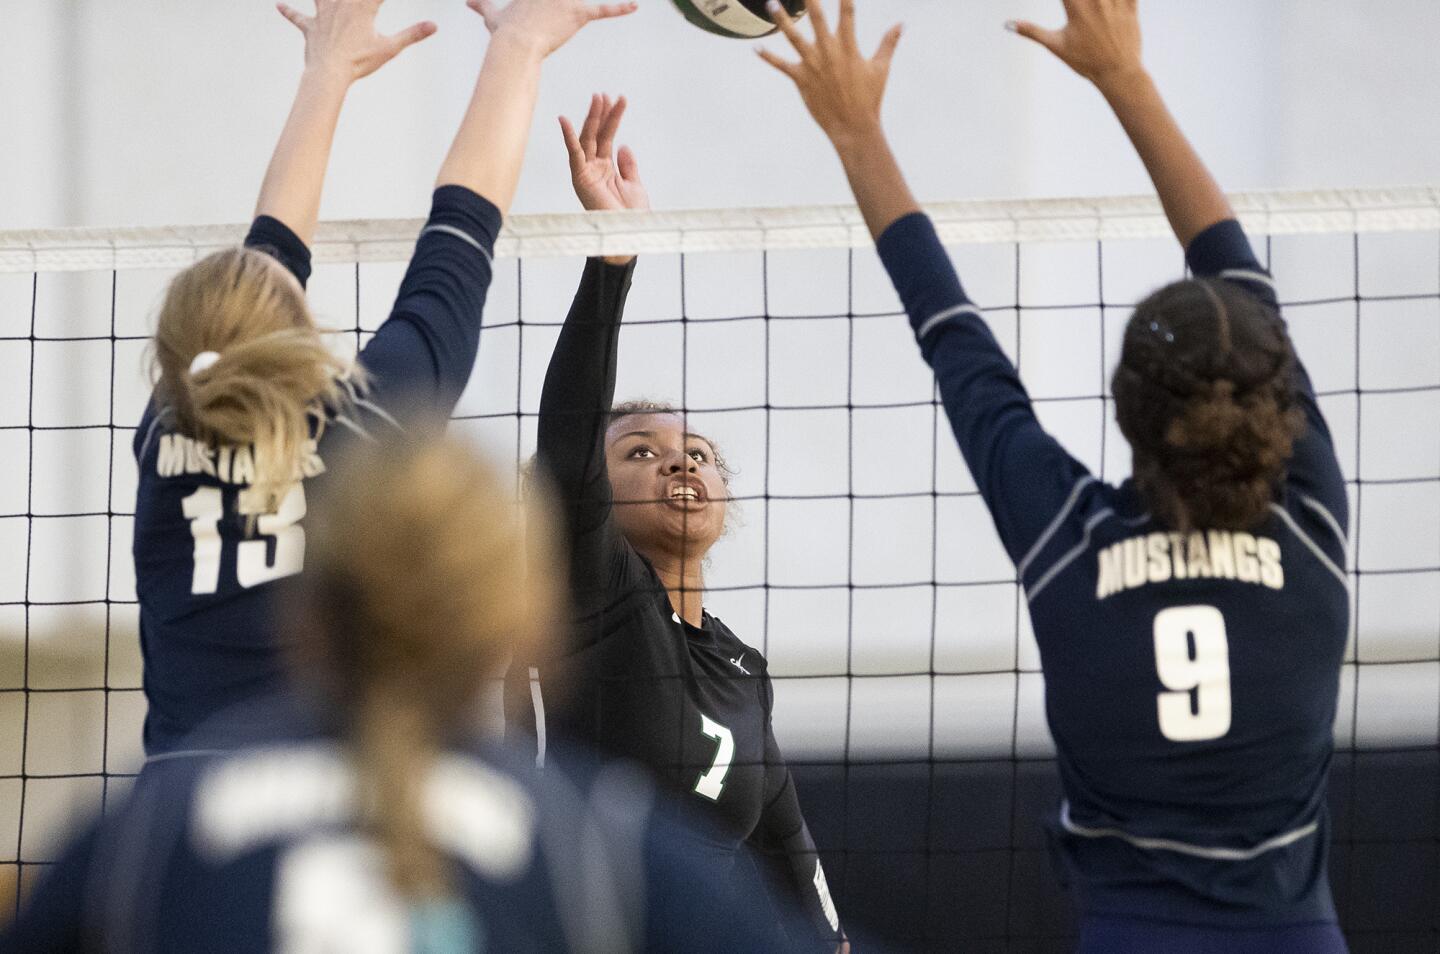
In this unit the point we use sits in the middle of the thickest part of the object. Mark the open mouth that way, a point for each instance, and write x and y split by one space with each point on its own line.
684 494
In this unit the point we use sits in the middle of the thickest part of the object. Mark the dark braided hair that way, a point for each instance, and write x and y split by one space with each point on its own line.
1205 394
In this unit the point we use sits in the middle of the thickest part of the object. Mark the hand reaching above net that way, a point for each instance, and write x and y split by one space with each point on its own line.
547 24
341 38
603 180
1100 40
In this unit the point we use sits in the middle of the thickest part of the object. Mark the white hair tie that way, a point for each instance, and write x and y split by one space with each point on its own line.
204 361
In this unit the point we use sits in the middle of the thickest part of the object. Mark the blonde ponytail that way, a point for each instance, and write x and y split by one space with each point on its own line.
272 368
422 576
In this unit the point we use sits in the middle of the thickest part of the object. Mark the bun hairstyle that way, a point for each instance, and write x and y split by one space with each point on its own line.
422 576
266 369
1205 394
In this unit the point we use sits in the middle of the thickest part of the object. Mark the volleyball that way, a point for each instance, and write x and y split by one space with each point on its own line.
739 19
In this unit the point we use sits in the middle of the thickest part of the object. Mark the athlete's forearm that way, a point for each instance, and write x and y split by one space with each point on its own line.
880 188
296 174
490 145
1192 199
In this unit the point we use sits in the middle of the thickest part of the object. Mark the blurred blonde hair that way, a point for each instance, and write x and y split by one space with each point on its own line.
423 575
273 369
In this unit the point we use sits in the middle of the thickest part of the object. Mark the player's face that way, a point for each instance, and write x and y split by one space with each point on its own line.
668 490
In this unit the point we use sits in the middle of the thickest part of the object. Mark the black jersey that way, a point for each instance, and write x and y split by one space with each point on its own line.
255 847
634 680
204 566
1190 680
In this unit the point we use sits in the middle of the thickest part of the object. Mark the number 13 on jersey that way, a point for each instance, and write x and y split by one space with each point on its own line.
205 508
1197 707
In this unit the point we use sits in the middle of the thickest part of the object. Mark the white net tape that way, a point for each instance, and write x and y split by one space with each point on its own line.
734 230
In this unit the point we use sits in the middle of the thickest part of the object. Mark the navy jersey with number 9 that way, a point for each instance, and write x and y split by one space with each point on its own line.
1190 679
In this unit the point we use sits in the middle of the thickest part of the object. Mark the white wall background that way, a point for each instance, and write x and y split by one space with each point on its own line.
164 112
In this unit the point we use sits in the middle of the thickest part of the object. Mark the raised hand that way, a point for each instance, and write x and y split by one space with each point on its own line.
1100 40
341 40
547 24
842 88
602 180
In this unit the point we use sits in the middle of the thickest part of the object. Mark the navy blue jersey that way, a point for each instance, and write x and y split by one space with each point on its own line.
692 704
1190 679
257 848
204 564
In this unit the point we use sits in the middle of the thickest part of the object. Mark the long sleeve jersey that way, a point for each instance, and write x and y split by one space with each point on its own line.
693 704
205 570
1190 679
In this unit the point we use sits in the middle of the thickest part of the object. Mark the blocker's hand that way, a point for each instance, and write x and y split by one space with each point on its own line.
603 180
1100 41
841 87
548 24
340 39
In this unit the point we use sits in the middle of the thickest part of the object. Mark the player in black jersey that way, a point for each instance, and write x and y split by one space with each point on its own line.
249 403
1192 620
647 673
358 811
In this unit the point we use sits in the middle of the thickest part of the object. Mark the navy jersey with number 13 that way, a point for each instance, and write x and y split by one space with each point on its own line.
202 572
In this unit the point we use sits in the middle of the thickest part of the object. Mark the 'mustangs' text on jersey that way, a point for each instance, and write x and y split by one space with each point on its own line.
1191 679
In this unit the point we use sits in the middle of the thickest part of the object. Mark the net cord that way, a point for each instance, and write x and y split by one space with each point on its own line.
569 235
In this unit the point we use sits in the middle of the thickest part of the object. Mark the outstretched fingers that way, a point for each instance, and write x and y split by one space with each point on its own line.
410 36
607 11
609 126
787 26
818 20
791 70
590 131
846 31
629 166
300 20
572 144
885 55
1052 40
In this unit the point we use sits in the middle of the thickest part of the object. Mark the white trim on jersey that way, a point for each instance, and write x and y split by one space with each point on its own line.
1314 547
460 234
1071 556
183 754
934 321
345 422
1185 848
149 434
1246 275
359 401
1039 546
537 699
1328 517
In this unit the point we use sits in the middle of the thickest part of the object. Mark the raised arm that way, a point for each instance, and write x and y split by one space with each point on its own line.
341 46
844 91
1024 475
580 382
421 359
1101 41
490 146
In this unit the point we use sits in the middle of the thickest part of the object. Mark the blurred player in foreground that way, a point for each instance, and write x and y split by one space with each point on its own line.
249 401
1191 621
362 812
646 672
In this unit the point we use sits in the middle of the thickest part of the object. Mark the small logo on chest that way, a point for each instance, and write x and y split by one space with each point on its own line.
737 664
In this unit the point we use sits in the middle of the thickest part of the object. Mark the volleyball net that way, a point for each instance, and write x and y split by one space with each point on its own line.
909 698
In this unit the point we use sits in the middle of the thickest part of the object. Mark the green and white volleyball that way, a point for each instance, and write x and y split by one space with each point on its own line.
741 19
